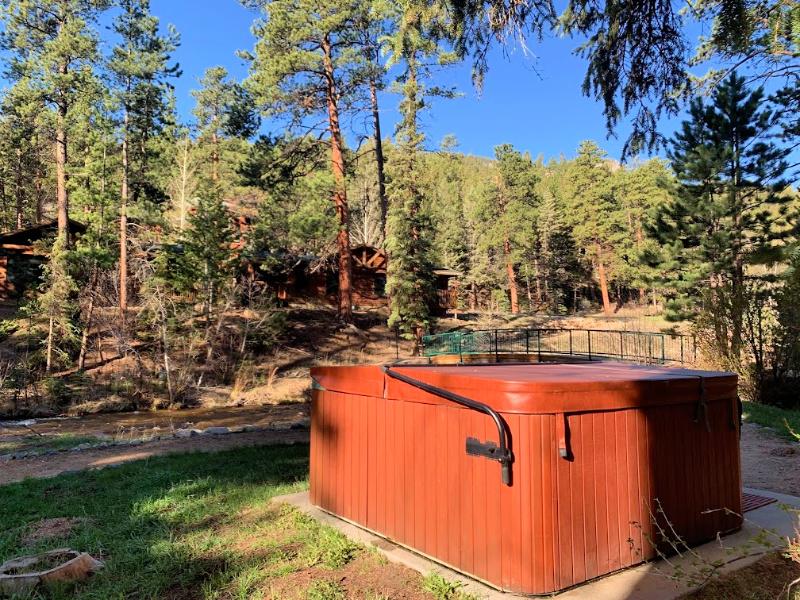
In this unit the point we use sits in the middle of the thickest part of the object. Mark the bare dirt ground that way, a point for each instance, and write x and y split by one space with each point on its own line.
769 462
49 466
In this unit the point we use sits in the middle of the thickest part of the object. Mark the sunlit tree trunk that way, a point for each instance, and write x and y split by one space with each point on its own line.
512 277
601 275
345 304
123 226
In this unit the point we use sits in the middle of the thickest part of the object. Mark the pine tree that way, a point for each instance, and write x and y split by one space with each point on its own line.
416 47
641 190
511 214
729 207
140 68
594 213
451 242
309 61
23 155
54 47
224 109
209 263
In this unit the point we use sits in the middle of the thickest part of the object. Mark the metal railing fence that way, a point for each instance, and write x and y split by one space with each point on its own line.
632 346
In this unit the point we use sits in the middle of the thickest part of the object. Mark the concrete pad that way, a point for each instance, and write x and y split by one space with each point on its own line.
645 582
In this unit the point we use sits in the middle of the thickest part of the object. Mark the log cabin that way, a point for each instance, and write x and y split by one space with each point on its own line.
301 278
22 254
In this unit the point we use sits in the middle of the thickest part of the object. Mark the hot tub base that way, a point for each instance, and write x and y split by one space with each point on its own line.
607 461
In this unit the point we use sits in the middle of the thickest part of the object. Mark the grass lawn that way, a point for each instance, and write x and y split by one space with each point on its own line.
200 526
773 417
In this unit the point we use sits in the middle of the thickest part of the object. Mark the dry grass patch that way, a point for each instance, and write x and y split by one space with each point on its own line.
767 579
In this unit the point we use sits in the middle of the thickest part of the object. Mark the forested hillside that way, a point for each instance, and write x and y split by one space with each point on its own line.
186 230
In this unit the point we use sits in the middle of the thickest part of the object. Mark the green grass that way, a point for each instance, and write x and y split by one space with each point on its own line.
173 526
443 589
784 422
42 443
326 590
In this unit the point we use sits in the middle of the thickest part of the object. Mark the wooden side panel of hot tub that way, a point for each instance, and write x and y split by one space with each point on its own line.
400 469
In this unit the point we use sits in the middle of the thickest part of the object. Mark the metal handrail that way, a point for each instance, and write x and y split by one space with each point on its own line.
500 453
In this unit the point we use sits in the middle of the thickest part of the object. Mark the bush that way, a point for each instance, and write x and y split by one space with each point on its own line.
756 334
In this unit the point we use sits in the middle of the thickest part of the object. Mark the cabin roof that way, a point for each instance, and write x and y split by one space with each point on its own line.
444 272
28 235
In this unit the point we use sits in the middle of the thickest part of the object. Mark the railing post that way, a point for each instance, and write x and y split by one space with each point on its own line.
621 347
681 337
650 348
496 351
539 343
460 349
570 342
663 349
527 342
589 337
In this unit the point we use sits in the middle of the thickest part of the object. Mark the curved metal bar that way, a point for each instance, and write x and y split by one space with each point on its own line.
502 453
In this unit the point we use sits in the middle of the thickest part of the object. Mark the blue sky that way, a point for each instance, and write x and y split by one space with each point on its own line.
532 102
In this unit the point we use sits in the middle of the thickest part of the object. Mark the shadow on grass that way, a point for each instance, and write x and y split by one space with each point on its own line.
155 522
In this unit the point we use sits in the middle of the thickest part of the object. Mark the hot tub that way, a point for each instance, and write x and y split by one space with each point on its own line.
531 478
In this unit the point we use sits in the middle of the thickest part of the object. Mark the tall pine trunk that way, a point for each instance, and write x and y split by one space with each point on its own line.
345 304
19 196
88 324
62 197
214 157
512 277
123 225
184 174
379 162
601 275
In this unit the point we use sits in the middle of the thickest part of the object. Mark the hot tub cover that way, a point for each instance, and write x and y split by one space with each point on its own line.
541 388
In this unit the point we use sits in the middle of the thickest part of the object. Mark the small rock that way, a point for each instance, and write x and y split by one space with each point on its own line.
84 446
252 428
304 423
217 431
281 426
186 433
236 429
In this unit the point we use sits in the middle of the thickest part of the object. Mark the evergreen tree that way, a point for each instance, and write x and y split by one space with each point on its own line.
451 242
561 268
309 61
140 68
54 47
511 213
23 156
416 48
209 264
224 109
729 207
641 190
594 213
